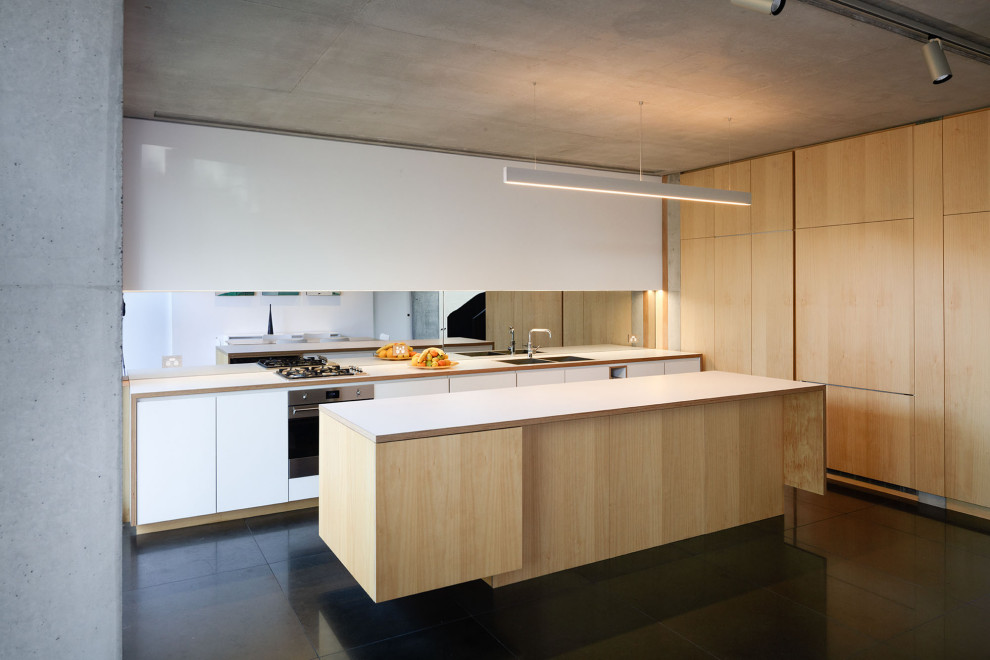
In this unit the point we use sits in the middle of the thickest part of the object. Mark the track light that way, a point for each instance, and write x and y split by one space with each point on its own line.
938 66
772 7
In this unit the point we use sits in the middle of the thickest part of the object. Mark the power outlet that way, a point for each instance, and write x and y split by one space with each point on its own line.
171 361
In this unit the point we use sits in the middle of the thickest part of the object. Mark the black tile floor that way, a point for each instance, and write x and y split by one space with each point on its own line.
839 576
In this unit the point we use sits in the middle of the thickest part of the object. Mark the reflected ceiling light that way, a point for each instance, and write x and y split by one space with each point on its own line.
772 7
938 66
569 181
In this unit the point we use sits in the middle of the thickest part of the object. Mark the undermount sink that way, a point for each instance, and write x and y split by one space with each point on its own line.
564 358
488 353
525 360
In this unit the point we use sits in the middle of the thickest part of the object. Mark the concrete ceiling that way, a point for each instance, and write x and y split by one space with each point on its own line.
717 82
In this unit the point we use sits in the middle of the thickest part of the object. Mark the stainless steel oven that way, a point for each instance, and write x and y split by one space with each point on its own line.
304 423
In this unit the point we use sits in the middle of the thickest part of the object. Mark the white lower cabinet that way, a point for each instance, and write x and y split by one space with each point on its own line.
539 377
176 458
483 382
411 387
252 450
682 366
578 374
637 369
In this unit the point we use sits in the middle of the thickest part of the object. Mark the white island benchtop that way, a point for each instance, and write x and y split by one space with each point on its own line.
387 420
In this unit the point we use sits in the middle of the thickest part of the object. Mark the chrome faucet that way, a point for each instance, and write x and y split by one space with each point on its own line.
529 344
512 340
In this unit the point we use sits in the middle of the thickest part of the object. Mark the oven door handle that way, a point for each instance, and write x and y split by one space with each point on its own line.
304 411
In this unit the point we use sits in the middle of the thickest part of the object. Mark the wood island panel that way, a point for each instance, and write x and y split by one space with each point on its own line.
804 449
967 163
408 517
733 304
967 358
698 218
565 506
929 326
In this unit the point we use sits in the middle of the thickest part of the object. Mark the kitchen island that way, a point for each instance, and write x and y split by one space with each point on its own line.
505 485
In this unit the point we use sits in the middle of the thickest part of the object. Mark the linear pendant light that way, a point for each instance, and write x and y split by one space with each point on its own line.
568 181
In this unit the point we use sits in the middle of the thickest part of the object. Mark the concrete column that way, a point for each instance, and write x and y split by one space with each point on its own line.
60 279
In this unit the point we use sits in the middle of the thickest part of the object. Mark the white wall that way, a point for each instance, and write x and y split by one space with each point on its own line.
218 209
190 323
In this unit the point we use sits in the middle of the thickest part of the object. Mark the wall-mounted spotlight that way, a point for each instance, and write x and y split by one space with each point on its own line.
938 66
772 7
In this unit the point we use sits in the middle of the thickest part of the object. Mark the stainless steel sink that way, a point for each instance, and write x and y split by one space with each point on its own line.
564 358
489 353
525 360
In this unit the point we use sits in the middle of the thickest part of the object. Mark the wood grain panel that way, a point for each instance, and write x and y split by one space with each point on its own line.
523 310
449 509
698 218
655 495
855 305
565 491
773 305
861 179
929 329
772 184
967 358
733 304
698 298
573 318
729 219
804 441
347 500
966 142
743 462
869 434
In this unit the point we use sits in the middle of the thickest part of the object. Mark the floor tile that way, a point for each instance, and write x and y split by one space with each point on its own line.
842 500
766 561
477 597
162 557
337 614
904 518
465 638
237 614
845 537
563 623
676 587
761 624
633 562
961 634
647 643
285 535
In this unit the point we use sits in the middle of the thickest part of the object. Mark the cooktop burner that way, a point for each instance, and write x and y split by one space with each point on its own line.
321 371
292 361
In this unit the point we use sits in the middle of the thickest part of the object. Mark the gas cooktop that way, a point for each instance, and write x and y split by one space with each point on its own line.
320 371
291 361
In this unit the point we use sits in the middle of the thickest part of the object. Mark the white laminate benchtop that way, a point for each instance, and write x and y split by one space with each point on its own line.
386 420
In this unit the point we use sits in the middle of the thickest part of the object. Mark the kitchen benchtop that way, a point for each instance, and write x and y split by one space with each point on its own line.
222 378
387 420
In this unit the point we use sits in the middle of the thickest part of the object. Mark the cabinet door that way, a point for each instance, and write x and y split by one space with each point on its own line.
176 458
412 387
682 366
252 450
654 368
483 382
539 377
579 374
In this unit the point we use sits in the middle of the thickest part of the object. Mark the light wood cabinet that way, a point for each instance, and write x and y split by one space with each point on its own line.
252 450
855 315
733 304
773 305
597 317
967 358
772 187
861 179
966 161
869 434
730 219
698 298
176 458
698 218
